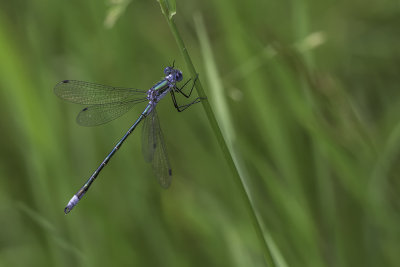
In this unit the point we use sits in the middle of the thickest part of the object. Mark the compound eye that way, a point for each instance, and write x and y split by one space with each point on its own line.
167 70
178 76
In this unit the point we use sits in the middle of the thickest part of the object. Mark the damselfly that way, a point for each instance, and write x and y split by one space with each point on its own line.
105 103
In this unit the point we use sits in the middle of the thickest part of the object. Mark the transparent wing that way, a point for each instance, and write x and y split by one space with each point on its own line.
93 94
99 114
154 149
148 138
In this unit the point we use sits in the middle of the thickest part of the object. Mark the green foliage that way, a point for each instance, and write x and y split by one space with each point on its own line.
306 94
168 8
222 142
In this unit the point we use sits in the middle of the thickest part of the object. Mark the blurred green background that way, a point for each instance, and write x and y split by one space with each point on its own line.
307 93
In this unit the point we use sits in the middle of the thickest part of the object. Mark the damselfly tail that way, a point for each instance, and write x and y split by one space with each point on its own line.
71 204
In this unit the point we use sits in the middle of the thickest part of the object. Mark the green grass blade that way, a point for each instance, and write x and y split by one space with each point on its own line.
168 8
218 134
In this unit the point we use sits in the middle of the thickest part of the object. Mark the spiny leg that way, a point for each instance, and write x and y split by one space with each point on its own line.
191 90
183 107
196 100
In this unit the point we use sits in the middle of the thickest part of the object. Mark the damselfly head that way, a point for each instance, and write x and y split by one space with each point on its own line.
167 70
175 73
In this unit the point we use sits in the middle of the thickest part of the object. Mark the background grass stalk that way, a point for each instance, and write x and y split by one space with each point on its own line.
218 134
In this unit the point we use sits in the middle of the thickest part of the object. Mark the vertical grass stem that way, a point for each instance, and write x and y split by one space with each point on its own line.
218 134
